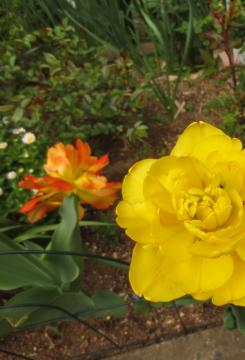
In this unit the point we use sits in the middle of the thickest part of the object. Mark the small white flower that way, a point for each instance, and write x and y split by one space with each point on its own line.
1 191
11 175
72 2
28 138
18 131
3 145
5 120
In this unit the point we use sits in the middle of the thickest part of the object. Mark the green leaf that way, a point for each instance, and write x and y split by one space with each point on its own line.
238 320
73 302
18 114
6 108
31 296
67 238
7 228
187 300
51 59
107 303
183 301
24 316
153 27
29 234
229 319
24 270
142 307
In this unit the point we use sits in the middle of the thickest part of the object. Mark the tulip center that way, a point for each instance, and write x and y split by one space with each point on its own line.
210 206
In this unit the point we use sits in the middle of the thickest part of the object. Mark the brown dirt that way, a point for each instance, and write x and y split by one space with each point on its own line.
70 340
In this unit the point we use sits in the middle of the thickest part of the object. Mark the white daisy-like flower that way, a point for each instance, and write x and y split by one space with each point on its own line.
3 145
18 131
11 175
28 138
1 191
72 2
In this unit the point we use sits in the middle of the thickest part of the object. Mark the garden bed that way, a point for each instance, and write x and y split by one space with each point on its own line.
69 340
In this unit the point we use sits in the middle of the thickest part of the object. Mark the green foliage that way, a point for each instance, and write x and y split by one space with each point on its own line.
229 318
231 108
47 281
234 318
57 87
113 23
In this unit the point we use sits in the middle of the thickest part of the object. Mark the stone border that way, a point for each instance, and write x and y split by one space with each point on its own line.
212 344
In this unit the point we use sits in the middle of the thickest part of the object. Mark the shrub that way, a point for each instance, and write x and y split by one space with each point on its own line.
57 87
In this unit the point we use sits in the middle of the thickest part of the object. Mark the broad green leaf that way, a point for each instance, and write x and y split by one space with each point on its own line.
142 307
107 303
17 316
67 238
24 270
69 303
18 114
238 314
229 319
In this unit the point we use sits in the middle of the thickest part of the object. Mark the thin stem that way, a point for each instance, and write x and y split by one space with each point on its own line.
65 253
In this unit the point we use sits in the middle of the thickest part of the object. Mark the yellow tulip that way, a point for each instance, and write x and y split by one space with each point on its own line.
186 214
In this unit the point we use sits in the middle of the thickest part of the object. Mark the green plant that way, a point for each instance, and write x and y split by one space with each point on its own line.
112 23
138 131
50 275
159 30
228 22
55 86
228 107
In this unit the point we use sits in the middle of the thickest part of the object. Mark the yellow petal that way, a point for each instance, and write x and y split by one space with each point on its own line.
192 136
230 175
137 219
158 194
201 275
148 275
204 248
177 246
132 187
234 289
239 302
145 224
207 143
202 296
173 175
240 248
